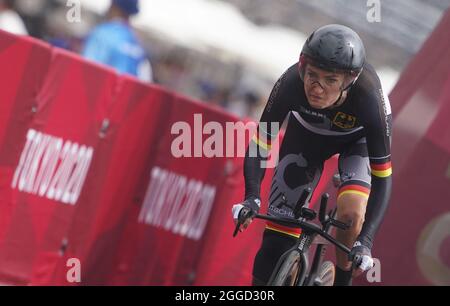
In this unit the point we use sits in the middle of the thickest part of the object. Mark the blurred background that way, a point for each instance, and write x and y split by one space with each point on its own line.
230 52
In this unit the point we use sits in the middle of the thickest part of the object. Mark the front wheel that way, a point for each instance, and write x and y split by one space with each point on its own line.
288 273
326 274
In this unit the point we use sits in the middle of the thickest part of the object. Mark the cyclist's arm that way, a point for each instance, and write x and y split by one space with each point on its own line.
260 146
378 128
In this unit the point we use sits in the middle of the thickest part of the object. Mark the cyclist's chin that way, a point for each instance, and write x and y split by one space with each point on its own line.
317 104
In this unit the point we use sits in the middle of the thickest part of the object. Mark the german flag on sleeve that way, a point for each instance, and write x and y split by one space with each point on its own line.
263 139
262 142
381 167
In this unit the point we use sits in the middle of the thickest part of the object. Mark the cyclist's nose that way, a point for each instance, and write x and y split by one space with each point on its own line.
317 88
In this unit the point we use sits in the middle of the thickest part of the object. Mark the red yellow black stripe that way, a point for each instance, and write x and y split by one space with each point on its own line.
261 142
381 170
354 189
294 232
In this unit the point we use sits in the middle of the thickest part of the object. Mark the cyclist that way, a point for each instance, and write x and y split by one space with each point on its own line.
333 103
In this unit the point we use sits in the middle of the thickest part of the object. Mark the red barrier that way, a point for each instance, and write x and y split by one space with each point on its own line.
70 106
18 56
102 215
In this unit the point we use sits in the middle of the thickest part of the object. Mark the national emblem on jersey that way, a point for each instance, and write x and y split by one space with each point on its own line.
344 121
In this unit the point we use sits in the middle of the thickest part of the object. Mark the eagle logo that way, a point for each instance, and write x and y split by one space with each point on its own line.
344 121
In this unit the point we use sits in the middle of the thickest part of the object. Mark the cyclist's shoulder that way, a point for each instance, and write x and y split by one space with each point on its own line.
289 83
285 92
368 81
369 101
368 91
291 76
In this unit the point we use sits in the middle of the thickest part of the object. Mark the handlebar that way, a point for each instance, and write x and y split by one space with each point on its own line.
303 225
306 226
300 211
309 227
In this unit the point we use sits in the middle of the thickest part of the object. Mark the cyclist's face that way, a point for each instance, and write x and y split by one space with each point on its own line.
322 87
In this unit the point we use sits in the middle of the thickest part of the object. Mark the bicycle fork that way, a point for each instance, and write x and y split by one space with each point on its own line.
318 257
302 247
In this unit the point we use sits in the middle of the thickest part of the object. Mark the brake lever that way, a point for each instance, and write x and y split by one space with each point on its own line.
236 229
356 262
239 223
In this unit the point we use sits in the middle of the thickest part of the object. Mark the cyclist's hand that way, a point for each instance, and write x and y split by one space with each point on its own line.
361 257
244 217
243 213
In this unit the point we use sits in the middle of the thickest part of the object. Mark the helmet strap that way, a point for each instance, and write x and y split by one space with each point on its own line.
338 101
335 104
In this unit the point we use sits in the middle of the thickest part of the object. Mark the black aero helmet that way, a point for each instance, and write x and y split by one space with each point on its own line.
334 48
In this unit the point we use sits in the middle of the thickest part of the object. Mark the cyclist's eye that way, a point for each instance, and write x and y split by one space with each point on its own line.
331 81
311 74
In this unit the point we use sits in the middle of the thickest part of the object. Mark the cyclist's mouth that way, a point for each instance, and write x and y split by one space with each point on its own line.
315 98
